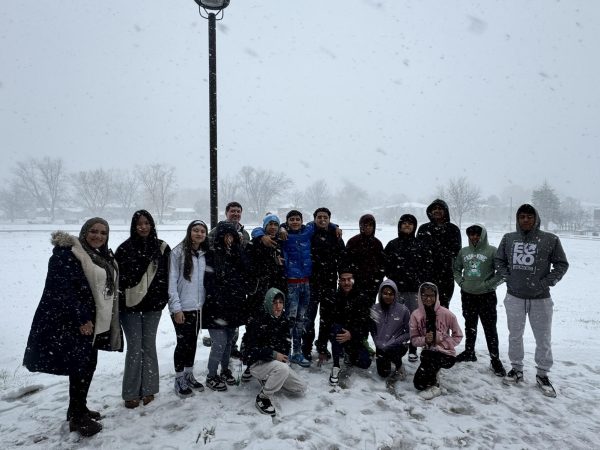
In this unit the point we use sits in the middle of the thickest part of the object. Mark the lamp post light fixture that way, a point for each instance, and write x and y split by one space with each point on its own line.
212 8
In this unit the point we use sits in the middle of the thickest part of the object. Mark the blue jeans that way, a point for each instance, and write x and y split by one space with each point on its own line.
296 308
220 350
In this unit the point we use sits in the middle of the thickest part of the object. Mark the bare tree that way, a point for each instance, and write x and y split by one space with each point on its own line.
228 189
13 201
351 200
462 197
297 199
261 187
44 180
571 215
125 189
317 194
159 183
93 190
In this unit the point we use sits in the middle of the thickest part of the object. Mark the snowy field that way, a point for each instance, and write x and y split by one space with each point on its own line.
476 410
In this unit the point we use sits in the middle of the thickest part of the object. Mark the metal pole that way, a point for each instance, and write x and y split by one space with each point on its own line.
212 88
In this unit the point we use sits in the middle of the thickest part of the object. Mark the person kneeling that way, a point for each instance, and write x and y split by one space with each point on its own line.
389 328
267 346
436 329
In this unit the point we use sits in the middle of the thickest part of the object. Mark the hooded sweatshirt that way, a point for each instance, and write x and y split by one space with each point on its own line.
405 258
364 255
447 333
389 323
442 242
267 334
531 262
474 267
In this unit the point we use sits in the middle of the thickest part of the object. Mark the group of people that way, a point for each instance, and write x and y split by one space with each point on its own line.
274 282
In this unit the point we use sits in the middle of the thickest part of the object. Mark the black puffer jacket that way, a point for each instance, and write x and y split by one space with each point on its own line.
327 252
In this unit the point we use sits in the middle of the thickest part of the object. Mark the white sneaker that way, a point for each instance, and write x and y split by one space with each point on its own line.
430 392
334 378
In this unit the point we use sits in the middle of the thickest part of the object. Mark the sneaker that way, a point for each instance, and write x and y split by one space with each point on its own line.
299 359
412 357
334 377
513 377
247 376
497 367
227 377
430 392
84 425
216 383
466 356
545 386
181 387
192 382
206 341
264 405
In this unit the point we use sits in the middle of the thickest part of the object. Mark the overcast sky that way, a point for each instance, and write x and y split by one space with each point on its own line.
394 95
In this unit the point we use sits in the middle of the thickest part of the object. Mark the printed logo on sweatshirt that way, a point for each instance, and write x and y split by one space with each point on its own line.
473 263
524 256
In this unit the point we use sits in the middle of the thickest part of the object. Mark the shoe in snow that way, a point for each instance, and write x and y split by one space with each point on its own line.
497 367
513 377
182 388
466 356
216 383
192 382
227 377
84 425
412 357
299 359
430 392
246 376
334 377
545 386
264 405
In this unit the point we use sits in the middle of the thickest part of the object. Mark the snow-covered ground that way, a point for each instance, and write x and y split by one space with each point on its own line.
476 410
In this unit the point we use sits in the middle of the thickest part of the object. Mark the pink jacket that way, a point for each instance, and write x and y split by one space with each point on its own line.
448 332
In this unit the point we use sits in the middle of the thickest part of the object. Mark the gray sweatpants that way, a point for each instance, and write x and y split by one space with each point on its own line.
540 320
140 377
277 375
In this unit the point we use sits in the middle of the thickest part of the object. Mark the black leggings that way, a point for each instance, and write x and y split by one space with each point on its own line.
475 307
187 340
385 358
79 385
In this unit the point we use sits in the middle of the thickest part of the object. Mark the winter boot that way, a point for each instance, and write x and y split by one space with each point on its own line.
497 367
84 425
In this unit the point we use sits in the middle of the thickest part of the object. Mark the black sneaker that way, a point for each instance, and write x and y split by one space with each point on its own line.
264 405
466 356
513 377
192 382
497 367
227 377
412 357
216 383
181 387
545 386
247 376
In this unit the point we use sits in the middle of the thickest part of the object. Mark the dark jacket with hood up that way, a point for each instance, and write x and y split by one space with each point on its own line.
226 283
405 259
531 262
267 334
365 257
442 242
143 266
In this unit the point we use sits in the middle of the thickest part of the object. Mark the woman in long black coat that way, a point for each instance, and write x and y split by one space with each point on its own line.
76 316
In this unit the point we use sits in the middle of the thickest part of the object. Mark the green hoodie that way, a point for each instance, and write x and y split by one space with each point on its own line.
269 297
474 266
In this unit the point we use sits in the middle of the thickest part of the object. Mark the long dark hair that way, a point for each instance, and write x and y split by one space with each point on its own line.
188 250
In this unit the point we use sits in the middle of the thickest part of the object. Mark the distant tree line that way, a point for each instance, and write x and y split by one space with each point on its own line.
44 184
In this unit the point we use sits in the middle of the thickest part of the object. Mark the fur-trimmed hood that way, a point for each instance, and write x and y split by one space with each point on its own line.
63 239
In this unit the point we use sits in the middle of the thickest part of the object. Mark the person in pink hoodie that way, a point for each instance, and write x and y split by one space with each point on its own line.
436 329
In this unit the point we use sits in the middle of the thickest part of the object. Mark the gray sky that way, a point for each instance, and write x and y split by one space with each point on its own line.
394 95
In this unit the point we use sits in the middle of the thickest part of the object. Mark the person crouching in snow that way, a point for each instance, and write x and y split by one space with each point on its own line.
389 328
267 346
436 329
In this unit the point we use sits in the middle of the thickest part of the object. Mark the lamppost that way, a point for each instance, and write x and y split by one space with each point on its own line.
211 9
